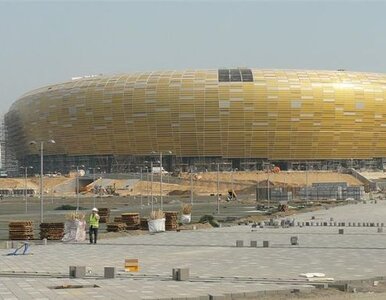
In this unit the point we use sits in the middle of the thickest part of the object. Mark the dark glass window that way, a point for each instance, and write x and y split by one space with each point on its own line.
246 75
223 75
235 75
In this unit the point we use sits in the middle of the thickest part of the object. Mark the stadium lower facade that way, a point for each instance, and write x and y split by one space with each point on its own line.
236 117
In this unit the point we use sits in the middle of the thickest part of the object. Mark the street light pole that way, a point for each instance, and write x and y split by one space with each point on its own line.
77 186
41 182
25 191
25 186
160 186
218 188
151 186
191 185
41 176
160 166
141 190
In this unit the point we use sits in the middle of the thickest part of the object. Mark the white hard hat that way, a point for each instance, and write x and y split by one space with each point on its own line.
94 209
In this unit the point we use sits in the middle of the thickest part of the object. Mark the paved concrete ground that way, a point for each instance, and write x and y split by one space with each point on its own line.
216 266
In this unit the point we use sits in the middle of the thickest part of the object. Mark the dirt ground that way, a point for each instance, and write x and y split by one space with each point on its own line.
203 183
242 182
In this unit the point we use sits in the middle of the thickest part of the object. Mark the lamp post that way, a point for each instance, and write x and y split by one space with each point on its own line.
218 188
41 175
77 186
191 185
25 186
141 190
160 172
151 186
93 179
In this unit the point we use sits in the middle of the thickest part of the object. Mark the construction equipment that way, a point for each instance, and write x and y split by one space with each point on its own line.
282 207
231 195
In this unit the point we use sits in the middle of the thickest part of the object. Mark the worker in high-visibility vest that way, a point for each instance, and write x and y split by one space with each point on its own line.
94 225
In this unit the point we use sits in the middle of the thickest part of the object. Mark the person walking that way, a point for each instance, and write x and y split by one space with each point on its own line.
94 225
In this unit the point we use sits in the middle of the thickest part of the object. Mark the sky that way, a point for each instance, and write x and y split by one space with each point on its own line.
49 42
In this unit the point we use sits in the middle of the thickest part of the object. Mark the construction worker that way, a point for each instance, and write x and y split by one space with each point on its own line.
94 225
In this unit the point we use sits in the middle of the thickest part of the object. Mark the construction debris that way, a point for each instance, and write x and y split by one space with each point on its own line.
144 224
21 230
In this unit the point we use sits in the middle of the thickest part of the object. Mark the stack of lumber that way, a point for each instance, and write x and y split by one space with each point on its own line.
132 220
51 231
118 220
171 221
144 225
104 214
21 230
116 227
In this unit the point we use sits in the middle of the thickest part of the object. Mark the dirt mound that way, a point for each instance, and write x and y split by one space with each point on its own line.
179 193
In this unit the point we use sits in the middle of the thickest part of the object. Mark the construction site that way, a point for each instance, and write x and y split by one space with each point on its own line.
235 217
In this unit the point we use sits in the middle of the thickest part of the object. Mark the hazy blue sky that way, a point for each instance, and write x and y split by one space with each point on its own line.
50 42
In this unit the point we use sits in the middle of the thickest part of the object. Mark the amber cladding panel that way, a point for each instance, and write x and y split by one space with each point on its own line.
275 114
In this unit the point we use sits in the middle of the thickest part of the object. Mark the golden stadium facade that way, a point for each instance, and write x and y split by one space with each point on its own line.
246 114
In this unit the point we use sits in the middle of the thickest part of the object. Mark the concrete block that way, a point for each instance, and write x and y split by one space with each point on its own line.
294 240
239 243
217 297
254 244
325 224
307 223
372 224
381 224
109 272
180 274
343 224
77 271
341 231
265 244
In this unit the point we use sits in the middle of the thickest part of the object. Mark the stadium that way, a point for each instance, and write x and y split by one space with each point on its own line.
239 117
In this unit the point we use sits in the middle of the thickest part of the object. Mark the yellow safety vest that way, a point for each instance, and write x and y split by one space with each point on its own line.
94 221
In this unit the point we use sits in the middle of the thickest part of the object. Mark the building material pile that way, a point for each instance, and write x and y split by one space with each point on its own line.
118 220
171 221
21 230
144 224
51 231
104 214
116 227
74 227
132 220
